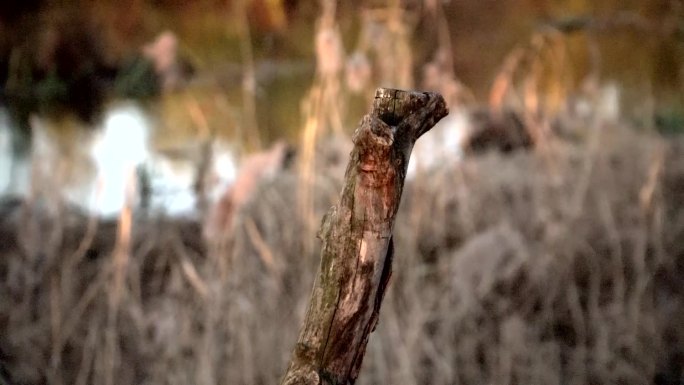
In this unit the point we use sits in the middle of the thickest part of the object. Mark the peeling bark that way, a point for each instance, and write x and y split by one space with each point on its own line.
357 249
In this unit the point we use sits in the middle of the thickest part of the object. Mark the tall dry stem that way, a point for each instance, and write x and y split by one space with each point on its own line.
323 107
119 266
250 127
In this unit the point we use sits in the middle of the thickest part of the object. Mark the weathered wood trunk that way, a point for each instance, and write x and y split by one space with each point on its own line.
357 249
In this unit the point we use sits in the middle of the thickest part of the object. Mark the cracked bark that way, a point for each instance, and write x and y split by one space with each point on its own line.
356 256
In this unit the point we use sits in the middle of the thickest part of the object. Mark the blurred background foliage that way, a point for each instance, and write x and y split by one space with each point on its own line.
637 44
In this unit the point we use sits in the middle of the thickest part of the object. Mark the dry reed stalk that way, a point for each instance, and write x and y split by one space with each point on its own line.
307 159
56 331
399 51
541 68
264 251
88 354
504 79
250 126
323 107
386 33
535 82
655 171
204 167
119 267
191 274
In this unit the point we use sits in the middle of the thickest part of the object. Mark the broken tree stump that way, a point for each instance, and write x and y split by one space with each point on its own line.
356 256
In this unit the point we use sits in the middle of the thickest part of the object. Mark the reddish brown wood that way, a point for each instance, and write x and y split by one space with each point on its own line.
356 257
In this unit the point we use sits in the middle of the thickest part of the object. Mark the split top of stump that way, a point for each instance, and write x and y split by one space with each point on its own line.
393 106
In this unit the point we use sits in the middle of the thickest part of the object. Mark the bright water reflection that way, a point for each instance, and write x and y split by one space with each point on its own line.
117 157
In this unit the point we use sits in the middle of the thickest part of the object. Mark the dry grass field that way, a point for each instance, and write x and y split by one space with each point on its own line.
535 267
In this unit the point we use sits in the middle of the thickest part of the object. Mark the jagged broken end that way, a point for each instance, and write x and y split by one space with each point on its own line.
417 111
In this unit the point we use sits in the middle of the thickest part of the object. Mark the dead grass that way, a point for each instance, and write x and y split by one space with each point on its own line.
524 269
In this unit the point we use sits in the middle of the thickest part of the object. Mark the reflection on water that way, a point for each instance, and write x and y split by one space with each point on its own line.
441 145
119 149
101 166
5 151
14 171
121 154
